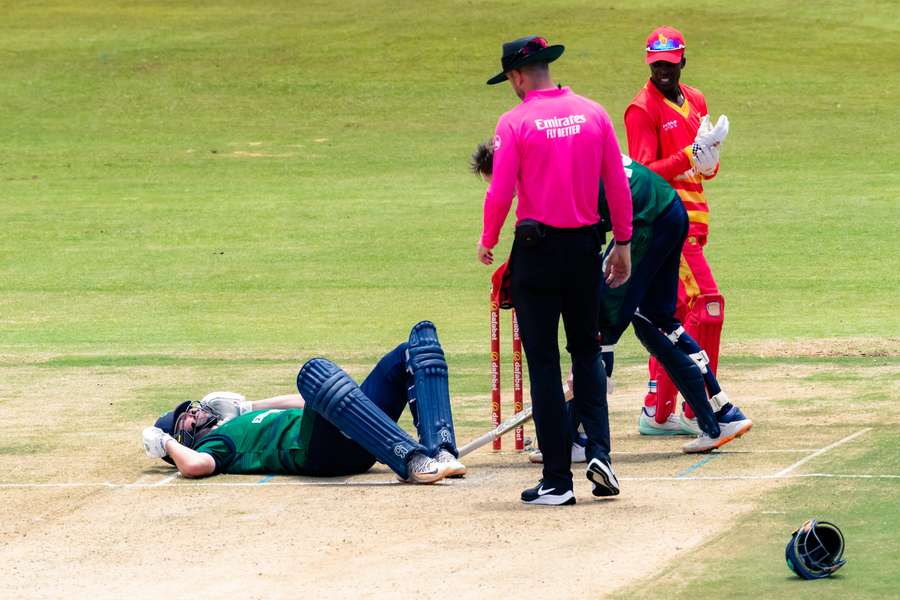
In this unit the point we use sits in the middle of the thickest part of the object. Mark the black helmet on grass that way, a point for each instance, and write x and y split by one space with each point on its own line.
815 550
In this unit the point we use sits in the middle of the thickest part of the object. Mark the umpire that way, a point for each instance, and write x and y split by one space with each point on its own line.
552 151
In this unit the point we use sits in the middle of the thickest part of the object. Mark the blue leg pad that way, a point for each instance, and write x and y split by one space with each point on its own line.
330 392
430 392
684 372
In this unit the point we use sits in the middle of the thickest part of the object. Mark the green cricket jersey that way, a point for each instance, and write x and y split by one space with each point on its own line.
262 441
650 194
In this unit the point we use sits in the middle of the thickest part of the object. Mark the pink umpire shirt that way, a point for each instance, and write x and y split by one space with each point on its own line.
551 151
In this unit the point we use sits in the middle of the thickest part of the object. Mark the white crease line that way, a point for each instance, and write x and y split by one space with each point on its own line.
676 452
722 451
142 481
165 480
822 451
760 477
167 484
139 480
850 476
463 482
280 483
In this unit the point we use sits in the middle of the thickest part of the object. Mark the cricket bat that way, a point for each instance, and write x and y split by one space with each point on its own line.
520 418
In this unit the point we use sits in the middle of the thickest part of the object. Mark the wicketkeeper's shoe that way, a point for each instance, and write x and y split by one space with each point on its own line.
578 452
549 496
452 464
601 474
689 426
647 425
423 469
732 425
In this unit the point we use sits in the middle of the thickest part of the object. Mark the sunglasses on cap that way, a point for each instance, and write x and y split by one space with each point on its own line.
663 43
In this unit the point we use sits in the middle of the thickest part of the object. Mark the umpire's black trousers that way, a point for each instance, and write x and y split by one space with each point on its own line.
557 273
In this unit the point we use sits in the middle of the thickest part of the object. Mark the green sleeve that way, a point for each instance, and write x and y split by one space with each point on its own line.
221 448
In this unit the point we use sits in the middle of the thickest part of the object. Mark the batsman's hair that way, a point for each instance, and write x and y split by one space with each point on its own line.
482 161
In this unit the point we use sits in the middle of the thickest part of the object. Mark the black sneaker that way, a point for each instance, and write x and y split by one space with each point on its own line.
601 475
551 496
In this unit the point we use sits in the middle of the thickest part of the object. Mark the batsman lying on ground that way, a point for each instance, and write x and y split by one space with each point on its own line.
648 299
334 427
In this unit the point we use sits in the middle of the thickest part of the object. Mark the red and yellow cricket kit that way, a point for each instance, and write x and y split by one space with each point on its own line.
660 135
701 309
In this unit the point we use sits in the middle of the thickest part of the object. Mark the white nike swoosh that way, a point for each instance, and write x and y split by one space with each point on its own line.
542 491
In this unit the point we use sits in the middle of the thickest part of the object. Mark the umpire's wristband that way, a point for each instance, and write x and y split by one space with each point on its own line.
623 242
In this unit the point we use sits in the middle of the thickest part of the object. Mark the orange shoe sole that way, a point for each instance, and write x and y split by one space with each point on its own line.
721 441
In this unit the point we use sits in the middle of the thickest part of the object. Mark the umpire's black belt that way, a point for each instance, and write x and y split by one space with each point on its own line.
530 232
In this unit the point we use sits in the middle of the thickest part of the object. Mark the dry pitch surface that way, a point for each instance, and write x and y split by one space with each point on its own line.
86 514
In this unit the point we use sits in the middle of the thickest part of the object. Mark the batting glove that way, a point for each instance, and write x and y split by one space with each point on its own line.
155 442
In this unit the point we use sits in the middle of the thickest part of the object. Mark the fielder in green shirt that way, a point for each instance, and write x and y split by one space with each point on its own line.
647 301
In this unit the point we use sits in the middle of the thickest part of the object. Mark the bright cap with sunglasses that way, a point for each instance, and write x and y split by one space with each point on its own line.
525 51
665 43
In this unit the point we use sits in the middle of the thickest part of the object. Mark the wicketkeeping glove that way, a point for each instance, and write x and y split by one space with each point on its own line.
155 442
226 405
710 136
705 126
705 159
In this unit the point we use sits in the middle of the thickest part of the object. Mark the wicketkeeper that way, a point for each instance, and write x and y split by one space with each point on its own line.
333 428
670 132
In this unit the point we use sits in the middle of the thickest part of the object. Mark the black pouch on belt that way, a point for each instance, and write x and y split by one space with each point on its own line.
530 233
600 238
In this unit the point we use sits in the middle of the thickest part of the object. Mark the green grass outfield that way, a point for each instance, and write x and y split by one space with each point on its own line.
747 561
136 218
202 181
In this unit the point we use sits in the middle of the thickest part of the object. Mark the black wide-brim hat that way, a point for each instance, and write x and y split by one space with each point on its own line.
525 51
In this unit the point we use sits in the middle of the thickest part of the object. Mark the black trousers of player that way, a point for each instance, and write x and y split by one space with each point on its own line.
558 274
653 285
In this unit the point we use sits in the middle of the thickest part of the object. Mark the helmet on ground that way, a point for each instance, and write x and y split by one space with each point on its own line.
815 550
